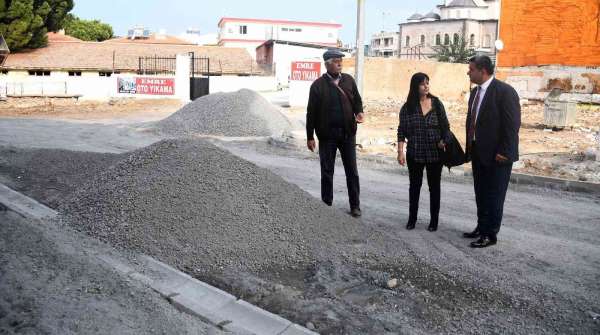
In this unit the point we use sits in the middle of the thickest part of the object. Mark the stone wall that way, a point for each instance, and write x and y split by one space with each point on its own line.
390 77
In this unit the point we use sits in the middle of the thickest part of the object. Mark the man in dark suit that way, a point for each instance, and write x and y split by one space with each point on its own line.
334 109
493 122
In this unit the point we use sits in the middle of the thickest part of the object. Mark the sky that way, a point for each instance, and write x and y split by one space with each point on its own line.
175 16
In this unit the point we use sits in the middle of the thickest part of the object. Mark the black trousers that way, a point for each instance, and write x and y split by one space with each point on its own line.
491 184
434 176
327 151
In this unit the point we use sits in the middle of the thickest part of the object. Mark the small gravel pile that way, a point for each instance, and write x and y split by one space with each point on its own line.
192 204
244 113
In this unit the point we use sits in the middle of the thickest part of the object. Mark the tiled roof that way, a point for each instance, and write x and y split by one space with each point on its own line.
61 37
73 55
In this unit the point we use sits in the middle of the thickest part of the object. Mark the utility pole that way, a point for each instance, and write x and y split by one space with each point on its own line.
360 45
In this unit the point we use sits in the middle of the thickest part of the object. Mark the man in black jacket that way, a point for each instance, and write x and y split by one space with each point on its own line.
334 109
493 122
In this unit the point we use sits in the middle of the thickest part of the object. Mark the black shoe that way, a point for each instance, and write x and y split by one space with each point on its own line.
432 227
474 234
410 225
328 203
483 242
355 212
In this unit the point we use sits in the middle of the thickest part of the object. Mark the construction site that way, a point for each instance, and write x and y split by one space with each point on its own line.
225 191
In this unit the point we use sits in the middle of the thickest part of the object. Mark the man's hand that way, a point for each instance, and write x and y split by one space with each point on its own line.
360 118
500 158
401 158
311 145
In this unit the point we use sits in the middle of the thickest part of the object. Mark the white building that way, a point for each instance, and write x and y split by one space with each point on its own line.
384 44
476 21
251 33
278 56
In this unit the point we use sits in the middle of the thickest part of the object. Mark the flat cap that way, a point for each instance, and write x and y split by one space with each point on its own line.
332 54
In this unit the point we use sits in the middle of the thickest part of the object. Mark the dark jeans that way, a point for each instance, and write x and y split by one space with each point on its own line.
327 150
434 175
491 184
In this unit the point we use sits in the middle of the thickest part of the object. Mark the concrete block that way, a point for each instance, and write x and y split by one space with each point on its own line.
163 278
23 204
116 264
297 330
200 299
253 319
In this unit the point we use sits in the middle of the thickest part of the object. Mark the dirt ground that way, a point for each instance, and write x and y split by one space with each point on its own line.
558 153
92 111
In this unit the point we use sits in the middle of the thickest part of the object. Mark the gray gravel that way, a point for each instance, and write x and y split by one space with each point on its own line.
192 204
244 113
50 284
49 174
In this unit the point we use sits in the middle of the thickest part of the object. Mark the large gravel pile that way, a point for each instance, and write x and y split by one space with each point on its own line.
200 207
244 113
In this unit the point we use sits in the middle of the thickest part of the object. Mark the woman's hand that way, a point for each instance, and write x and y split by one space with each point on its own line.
442 145
401 158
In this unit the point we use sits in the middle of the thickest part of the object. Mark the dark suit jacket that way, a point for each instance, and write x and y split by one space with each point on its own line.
498 123
317 111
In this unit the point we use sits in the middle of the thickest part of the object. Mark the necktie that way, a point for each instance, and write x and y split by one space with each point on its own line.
473 120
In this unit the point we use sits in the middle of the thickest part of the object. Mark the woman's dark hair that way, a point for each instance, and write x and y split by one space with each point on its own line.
412 100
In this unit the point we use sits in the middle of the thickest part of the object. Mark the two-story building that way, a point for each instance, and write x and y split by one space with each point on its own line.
251 33
384 44
475 21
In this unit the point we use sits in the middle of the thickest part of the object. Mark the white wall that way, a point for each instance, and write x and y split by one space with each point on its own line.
284 55
234 83
299 90
86 87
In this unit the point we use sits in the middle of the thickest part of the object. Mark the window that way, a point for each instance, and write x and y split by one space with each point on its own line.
456 38
74 73
243 30
446 39
39 73
407 41
487 41
472 40
423 39
298 30
284 29
438 39
105 73
4 72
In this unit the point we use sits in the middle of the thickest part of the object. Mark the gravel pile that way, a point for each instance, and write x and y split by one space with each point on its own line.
194 205
244 113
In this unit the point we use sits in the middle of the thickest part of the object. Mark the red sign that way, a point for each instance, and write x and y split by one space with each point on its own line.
154 86
306 71
146 85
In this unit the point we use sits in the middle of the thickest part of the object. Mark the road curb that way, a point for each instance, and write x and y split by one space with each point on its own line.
186 293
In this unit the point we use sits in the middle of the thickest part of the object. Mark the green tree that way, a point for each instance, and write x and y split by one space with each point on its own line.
455 52
87 30
25 23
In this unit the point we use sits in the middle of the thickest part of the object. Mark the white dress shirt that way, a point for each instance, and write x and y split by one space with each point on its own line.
482 89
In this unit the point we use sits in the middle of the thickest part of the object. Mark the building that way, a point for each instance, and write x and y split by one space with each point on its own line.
278 56
543 50
384 44
71 67
475 21
139 34
251 33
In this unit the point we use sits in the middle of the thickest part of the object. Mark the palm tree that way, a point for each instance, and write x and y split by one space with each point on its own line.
455 52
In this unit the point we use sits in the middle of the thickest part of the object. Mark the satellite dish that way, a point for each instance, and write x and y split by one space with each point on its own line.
499 45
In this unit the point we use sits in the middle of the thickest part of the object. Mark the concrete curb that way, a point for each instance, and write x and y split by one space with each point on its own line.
186 293
515 179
